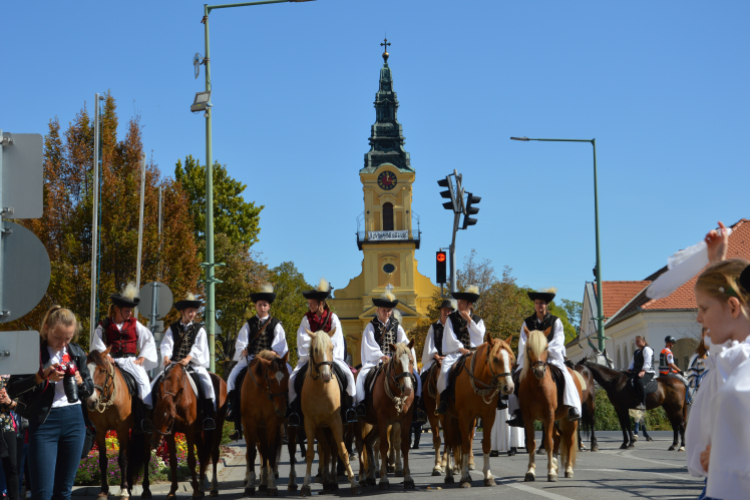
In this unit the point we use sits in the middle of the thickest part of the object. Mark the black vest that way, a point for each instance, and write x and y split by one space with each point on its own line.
533 323
638 361
461 327
385 335
437 336
184 339
258 342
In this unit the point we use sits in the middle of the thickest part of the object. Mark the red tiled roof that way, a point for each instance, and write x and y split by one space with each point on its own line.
619 293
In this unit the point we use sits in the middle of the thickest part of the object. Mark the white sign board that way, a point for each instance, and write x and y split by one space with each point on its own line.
387 235
19 352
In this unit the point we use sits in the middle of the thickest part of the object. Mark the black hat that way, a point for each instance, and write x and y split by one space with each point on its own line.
471 294
386 300
669 339
266 294
322 292
545 295
448 303
188 302
745 279
127 298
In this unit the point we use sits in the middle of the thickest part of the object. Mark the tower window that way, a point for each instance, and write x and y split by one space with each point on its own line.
388 217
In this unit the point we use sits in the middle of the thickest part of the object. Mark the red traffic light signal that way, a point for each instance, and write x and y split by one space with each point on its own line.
441 256
440 259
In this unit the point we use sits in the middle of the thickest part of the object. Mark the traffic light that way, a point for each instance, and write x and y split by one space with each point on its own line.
471 210
446 183
440 260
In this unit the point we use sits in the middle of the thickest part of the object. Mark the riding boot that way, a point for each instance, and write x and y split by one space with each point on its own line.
420 414
573 413
230 407
361 409
442 408
138 409
237 434
293 412
517 420
209 423
502 402
350 416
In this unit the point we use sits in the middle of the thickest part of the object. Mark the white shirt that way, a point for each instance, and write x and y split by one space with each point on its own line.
430 349
451 344
648 360
370 352
199 353
278 344
146 344
556 348
303 340
60 400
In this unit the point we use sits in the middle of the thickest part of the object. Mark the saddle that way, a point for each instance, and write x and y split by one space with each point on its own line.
559 378
650 388
193 380
371 378
130 382
677 376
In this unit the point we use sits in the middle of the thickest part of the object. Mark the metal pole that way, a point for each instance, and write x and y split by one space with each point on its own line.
599 296
209 315
140 226
94 224
3 142
456 218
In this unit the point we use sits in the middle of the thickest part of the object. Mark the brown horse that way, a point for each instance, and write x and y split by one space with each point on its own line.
485 374
176 410
110 409
588 407
537 397
429 396
670 394
263 403
390 403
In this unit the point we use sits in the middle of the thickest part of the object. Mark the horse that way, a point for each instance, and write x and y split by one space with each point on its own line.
429 396
390 403
670 394
110 409
485 374
176 410
588 407
321 412
263 404
538 399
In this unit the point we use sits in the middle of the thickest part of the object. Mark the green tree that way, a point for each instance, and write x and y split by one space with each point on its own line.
290 305
574 310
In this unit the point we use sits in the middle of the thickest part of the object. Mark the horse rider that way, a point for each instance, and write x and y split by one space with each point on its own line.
542 320
641 370
320 317
131 347
666 361
186 343
379 334
433 344
262 332
464 332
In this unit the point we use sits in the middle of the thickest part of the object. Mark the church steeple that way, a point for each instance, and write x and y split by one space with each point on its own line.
386 137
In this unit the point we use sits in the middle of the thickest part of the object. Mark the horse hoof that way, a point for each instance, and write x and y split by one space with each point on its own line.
681 448
250 491
384 485
436 473
541 451
292 487
272 492
465 484
399 473
490 481
306 491
649 439
214 493
552 478
631 446
409 484
103 494
146 494
449 480
671 448
569 473
595 447
370 481
472 467
624 446
263 487
530 477
356 491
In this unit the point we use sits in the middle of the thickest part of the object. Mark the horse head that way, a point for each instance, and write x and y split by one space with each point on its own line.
102 373
536 353
173 382
501 361
273 369
321 355
402 366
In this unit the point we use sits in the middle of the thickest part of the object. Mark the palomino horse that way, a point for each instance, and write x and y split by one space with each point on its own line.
390 403
263 407
176 410
110 409
538 399
321 411
484 375
670 394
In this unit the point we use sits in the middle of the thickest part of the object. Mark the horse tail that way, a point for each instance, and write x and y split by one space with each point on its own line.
587 420
136 455
568 441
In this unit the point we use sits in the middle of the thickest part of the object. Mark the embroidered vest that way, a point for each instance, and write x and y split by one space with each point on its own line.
184 339
437 336
385 335
121 341
260 334
461 328
638 361
533 323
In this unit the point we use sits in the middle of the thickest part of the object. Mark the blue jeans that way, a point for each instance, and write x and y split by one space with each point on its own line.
55 452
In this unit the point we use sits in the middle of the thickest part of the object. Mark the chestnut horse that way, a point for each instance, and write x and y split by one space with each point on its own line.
110 409
537 397
429 396
263 403
485 374
390 403
176 410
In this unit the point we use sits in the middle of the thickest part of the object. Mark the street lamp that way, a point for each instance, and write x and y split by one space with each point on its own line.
209 264
599 302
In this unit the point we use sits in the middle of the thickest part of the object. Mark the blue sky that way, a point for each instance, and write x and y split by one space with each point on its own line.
662 86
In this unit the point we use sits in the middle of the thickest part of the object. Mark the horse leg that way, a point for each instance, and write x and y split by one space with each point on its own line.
568 435
272 448
627 431
337 428
472 464
396 440
464 427
122 461
488 422
383 431
530 447
372 443
194 476
146 493
291 449
203 449
101 443
215 452
309 456
172 447
437 469
249 433
405 427
549 445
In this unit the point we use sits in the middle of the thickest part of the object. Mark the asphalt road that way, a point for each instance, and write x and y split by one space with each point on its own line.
648 471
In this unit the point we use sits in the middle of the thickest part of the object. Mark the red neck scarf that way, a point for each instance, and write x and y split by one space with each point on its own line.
318 323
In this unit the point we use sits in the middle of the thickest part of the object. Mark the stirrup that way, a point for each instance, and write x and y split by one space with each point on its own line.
351 416
209 424
442 408
421 416
573 414
516 421
361 410
147 426
292 420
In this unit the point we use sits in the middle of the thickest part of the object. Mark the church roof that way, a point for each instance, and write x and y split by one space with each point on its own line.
386 137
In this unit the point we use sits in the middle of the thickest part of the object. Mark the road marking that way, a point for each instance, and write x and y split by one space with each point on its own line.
671 476
622 454
541 493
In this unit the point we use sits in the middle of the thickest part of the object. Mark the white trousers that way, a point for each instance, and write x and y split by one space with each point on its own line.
205 378
445 368
570 395
362 375
351 387
141 378
505 437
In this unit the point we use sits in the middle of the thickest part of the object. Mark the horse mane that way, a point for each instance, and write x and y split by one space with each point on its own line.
401 349
602 374
322 341
537 344
267 355
98 359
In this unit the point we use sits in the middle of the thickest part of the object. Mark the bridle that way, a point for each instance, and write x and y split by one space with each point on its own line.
538 363
270 395
174 395
487 391
105 402
316 367
390 376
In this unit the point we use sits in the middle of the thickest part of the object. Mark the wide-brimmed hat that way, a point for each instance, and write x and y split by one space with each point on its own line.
449 303
745 279
189 302
321 292
127 298
266 294
545 295
386 300
470 294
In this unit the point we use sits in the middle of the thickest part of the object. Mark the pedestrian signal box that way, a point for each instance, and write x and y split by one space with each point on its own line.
440 260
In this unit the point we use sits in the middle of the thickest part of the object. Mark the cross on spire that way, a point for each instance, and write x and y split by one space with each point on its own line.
389 288
385 46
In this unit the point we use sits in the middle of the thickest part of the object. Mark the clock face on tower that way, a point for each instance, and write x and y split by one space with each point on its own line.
387 180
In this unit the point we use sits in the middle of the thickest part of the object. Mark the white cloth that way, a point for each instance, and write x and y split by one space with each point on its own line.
505 437
429 350
451 345
648 360
200 358
303 351
60 400
729 463
278 345
146 350
722 360
556 356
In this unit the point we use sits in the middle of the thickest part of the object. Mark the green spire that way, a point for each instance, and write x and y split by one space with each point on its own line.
386 137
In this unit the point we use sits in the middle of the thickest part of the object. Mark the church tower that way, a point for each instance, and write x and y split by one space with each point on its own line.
386 235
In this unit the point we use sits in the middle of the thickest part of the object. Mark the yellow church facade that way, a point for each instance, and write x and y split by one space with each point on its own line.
386 237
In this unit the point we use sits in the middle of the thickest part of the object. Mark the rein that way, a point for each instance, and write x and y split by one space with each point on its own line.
488 391
398 401
161 382
105 402
270 395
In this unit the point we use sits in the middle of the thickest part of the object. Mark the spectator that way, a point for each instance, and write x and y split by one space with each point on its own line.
57 421
8 451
